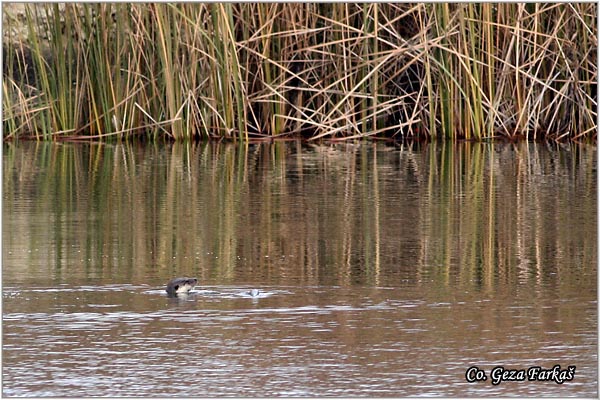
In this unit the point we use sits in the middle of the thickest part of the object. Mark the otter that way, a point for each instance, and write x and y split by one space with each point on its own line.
180 286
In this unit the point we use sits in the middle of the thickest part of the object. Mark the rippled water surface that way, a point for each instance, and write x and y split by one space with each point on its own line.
382 270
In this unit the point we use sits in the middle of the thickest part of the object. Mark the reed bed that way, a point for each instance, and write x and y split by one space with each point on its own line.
245 71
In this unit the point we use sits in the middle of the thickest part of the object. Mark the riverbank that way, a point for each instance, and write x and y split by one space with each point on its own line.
319 71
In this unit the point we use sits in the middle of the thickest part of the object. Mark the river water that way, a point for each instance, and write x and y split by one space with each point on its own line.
383 270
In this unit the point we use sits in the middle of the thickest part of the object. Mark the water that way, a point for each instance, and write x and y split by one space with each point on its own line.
383 270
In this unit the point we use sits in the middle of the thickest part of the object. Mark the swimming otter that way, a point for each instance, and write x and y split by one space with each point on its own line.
180 286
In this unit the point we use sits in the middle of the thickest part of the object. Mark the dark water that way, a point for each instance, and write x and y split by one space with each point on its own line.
383 271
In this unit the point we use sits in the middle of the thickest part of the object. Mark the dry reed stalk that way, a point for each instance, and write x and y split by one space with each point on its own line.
225 70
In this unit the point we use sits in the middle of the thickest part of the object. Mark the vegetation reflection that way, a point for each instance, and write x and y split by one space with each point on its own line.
479 215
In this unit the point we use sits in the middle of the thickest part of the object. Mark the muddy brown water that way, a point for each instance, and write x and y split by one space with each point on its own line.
383 270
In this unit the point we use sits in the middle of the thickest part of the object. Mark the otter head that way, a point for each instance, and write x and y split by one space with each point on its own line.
181 285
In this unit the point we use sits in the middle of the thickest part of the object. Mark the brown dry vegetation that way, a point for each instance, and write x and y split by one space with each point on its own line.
223 70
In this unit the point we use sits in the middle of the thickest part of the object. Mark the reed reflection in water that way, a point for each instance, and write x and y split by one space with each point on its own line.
464 253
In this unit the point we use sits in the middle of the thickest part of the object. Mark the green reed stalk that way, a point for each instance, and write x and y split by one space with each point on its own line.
44 125
168 49
473 62
441 61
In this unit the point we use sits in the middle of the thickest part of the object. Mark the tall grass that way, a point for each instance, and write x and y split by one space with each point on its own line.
240 71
